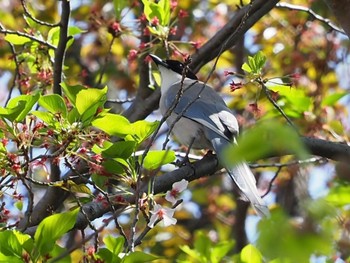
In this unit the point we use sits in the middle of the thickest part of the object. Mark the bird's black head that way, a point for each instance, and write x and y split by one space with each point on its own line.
175 66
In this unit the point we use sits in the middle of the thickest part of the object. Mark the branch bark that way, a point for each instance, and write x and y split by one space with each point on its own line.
341 9
207 166
232 32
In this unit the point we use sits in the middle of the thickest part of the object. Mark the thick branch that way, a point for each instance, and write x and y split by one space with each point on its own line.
208 165
341 10
61 47
232 32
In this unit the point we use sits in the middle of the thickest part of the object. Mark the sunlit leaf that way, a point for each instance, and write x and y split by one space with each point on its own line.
122 149
71 91
52 228
54 104
339 195
18 107
87 99
142 129
266 138
119 5
113 124
250 254
332 99
17 40
139 257
155 159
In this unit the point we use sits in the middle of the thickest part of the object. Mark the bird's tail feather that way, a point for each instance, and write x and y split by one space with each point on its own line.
241 175
245 180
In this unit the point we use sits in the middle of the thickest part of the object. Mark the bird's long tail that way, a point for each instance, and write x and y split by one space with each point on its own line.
245 180
241 175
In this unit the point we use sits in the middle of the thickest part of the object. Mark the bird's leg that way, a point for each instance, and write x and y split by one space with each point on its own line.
185 160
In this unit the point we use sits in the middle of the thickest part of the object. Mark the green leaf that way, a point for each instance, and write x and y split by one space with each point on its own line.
17 40
142 130
53 103
119 5
332 99
89 100
72 91
113 124
54 36
220 250
107 255
265 138
298 243
11 242
155 159
12 259
113 166
165 7
115 245
74 30
139 257
52 228
152 10
250 254
45 116
11 113
246 67
203 244
255 64
18 107
339 195
122 149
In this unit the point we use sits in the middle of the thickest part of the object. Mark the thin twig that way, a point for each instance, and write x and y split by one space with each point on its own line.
312 14
296 162
271 182
40 22
269 97
22 34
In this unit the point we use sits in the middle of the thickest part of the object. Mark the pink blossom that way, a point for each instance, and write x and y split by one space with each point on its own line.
162 213
178 187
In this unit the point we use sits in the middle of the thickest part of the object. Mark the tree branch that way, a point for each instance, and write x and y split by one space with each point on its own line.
61 47
312 14
232 32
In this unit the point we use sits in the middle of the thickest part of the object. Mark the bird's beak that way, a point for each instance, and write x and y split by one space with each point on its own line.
158 61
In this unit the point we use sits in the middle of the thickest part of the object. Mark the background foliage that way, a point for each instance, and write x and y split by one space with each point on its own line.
85 160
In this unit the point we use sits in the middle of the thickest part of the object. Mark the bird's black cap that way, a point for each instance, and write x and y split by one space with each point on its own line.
174 65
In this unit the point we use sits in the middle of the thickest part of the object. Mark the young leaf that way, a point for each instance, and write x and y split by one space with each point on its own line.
54 104
52 228
332 99
74 30
139 257
17 40
18 107
11 242
142 130
165 7
152 10
115 245
72 91
113 124
266 138
122 149
119 5
155 159
45 116
250 254
90 98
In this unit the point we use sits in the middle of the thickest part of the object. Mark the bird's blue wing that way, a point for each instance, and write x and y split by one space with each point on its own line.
202 104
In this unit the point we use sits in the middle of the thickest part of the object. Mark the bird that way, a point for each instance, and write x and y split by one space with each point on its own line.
199 118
